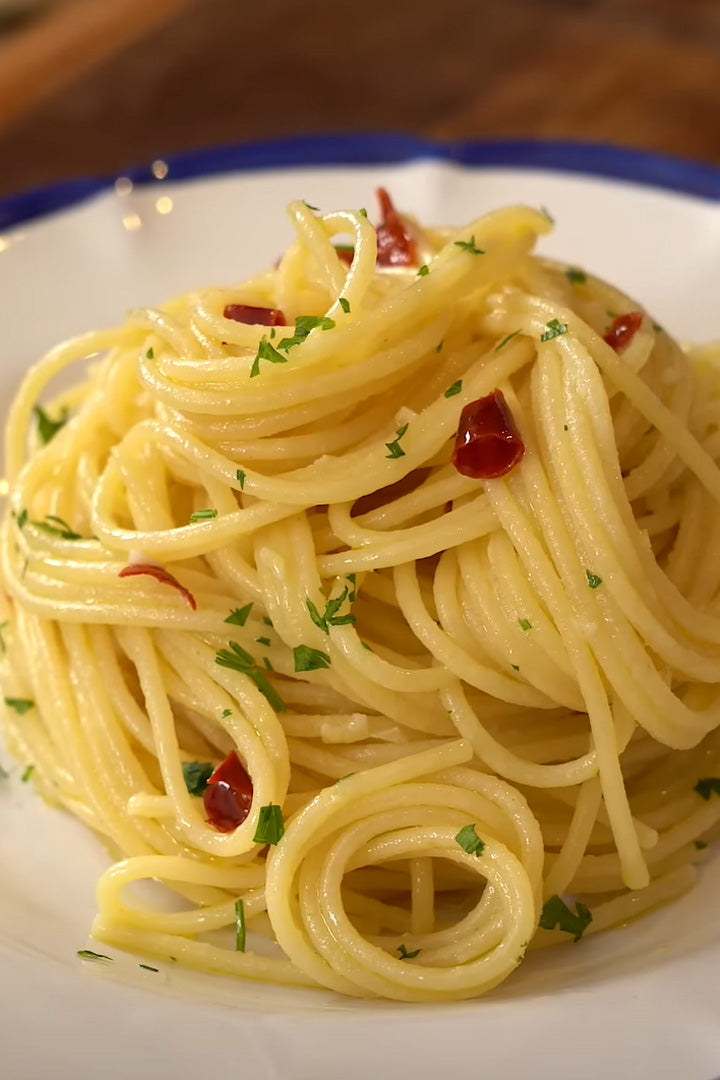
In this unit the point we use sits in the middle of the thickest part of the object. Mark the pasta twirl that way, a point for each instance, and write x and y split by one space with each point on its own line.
274 638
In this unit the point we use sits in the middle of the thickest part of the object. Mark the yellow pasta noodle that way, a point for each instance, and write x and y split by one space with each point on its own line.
473 714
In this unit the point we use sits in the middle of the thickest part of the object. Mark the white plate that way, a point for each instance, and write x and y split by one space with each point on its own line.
641 1001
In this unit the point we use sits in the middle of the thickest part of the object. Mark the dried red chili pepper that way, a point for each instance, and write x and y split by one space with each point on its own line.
623 329
228 795
160 574
254 316
487 444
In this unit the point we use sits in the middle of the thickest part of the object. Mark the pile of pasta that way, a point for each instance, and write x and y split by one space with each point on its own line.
372 608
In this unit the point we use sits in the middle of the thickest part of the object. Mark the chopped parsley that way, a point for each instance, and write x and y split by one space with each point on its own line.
303 325
710 785
240 477
575 276
263 641
266 351
150 354
469 246
196 775
405 955
268 665
225 713
362 212
700 845
146 967
203 515
344 304
315 209
592 579
546 214
88 954
3 773
505 340
307 659
352 594
330 616
469 841
238 616
19 705
423 271
556 914
515 667
239 926
237 659
525 624
55 526
27 773
438 348
3 626
270 826
47 428
268 622
396 451
454 389
22 519
554 329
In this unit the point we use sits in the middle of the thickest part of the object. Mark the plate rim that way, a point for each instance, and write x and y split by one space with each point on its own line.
597 159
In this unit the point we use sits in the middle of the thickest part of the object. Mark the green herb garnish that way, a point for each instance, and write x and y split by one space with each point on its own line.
203 515
554 329
270 827
47 428
55 526
344 304
469 841
575 276
27 773
240 477
592 579
469 246
303 325
19 705
307 659
88 954
237 659
423 271
239 926
710 785
263 641
556 914
266 351
525 624
239 616
405 955
396 451
330 617
454 389
196 775
146 967
505 340
150 354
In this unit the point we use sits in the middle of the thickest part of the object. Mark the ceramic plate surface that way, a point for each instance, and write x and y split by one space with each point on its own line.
640 1002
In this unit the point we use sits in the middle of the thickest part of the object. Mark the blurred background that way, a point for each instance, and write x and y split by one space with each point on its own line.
90 87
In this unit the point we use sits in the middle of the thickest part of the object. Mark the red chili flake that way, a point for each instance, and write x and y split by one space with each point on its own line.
395 245
487 444
346 252
254 316
160 574
623 329
228 795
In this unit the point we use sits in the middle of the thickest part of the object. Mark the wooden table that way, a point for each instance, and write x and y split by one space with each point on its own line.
643 73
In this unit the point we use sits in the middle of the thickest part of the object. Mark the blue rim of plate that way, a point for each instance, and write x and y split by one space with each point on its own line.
590 159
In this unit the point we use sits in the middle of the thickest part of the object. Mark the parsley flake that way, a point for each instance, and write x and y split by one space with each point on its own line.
423 271
303 325
556 914
525 624
22 519
307 659
575 276
592 579
196 775
270 826
469 246
351 596
263 641
315 209
708 786
438 348
146 967
546 214
266 620
88 954
47 428
239 926
27 773
150 354
469 841
554 329
344 304
3 773
266 351
505 340
240 477
396 451
454 389
237 659
19 705
225 713
700 845
55 526
515 667
405 955
203 515
239 616
330 617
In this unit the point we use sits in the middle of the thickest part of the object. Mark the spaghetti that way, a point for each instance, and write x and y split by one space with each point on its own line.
371 607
